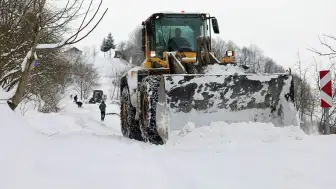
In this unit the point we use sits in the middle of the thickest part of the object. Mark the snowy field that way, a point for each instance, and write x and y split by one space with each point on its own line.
74 150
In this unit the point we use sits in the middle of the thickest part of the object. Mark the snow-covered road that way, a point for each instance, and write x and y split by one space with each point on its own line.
87 154
73 120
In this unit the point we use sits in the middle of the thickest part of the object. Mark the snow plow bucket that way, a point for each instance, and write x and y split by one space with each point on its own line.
203 99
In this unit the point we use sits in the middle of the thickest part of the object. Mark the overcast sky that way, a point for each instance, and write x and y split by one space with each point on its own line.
279 27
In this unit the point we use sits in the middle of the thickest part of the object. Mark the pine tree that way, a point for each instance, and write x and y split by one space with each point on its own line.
110 42
104 48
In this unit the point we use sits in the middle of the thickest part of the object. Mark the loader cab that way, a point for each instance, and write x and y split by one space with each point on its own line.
160 32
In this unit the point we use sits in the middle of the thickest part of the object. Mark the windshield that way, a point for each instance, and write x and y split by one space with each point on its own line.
178 31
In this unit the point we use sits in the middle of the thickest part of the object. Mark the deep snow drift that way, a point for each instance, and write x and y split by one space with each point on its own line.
74 150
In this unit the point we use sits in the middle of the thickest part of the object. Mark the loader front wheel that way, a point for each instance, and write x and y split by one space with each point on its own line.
148 99
129 125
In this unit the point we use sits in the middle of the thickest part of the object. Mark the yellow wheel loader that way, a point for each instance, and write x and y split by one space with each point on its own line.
182 81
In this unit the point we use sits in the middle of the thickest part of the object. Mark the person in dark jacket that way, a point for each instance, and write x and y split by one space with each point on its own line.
75 98
177 42
102 108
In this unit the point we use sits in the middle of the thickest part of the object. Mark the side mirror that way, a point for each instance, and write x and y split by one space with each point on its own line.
215 25
143 39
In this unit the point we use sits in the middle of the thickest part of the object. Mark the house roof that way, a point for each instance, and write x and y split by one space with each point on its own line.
74 49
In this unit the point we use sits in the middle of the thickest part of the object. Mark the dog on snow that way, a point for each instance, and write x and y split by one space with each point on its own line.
79 104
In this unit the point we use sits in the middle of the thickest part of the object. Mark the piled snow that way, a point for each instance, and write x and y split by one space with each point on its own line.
219 134
4 95
132 80
291 115
232 69
106 66
218 156
19 148
50 46
224 70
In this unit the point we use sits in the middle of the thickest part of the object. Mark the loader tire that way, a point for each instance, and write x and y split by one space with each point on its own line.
191 69
129 125
148 99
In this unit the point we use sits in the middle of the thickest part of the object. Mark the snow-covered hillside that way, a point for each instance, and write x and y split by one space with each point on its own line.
108 67
74 150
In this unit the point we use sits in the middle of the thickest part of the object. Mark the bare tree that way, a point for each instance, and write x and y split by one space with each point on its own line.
131 50
328 42
116 77
86 77
49 81
49 99
270 66
121 46
41 20
253 57
123 51
256 58
218 46
302 91
307 98
325 42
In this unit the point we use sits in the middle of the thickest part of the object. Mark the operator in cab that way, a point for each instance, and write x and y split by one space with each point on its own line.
177 42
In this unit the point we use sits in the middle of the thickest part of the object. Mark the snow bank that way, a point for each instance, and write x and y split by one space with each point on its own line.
19 146
222 133
13 126
79 161
4 96
108 66
218 156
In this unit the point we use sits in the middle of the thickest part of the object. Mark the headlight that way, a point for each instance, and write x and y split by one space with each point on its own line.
229 53
152 54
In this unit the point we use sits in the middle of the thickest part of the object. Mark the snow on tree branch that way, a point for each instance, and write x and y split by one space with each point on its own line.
327 45
40 27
